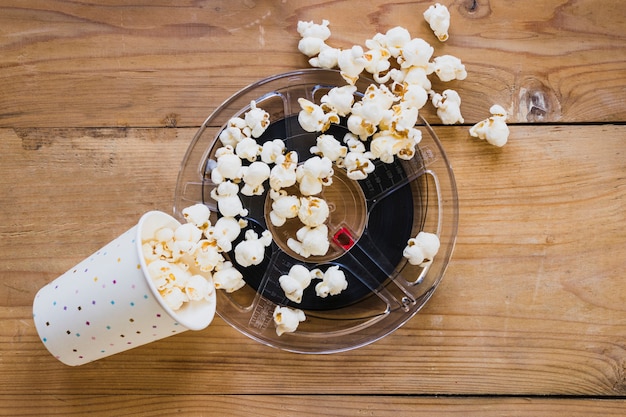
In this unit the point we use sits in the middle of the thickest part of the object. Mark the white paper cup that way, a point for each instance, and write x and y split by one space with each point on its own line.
108 304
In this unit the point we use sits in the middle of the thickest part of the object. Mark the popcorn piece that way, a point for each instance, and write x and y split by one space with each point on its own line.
313 36
358 165
371 110
257 120
351 63
295 282
438 17
198 288
421 249
415 53
312 117
394 40
228 202
207 255
251 251
228 165
448 68
333 282
284 207
271 150
226 277
328 146
339 100
328 57
174 297
283 174
313 211
287 319
448 105
166 275
254 176
225 231
248 149
354 143
198 215
494 128
315 173
236 129
188 232
310 241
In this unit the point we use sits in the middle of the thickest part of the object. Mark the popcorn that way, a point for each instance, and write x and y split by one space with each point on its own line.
313 211
333 282
313 36
438 17
448 105
494 128
226 277
228 202
328 146
310 241
351 63
207 255
254 176
248 149
421 249
295 282
339 100
284 207
448 68
287 319
228 166
328 57
415 53
198 288
251 251
225 231
236 129
312 117
394 40
187 232
271 150
257 120
315 173
198 215
283 174
174 297
358 165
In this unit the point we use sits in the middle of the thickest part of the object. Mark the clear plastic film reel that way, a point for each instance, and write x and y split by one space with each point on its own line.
369 225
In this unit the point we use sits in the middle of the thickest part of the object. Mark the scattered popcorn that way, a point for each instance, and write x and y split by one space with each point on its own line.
494 129
310 241
236 129
415 53
394 40
313 211
287 319
438 17
198 215
312 117
257 120
228 202
421 249
448 105
448 68
358 165
333 282
271 150
198 288
207 255
313 36
251 251
328 146
174 297
254 176
225 231
226 277
351 63
284 207
314 174
248 149
328 57
228 166
283 174
339 100
296 281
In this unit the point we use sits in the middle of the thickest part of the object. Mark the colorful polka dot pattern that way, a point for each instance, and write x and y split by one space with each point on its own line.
100 307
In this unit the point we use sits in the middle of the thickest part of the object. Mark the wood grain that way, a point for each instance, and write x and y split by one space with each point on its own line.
162 64
532 303
278 406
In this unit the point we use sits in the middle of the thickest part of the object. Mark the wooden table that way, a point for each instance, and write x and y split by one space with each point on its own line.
98 104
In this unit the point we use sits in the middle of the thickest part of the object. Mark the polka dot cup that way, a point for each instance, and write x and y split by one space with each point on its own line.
108 304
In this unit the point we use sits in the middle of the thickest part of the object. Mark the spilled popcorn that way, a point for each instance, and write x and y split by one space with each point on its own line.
494 128
421 249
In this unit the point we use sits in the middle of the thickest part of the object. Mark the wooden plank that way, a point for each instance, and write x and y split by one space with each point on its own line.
532 303
277 405
157 64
